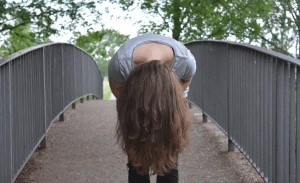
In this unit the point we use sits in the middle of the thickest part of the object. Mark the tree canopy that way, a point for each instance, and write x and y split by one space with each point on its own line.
20 38
273 24
206 19
42 15
101 45
282 27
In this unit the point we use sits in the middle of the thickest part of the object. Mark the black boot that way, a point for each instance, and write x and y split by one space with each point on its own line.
171 177
133 177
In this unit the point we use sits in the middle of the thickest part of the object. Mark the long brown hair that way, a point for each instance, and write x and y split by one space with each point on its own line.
153 118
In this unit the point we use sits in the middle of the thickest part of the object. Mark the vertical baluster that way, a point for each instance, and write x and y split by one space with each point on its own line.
292 125
279 121
270 117
298 125
265 116
286 123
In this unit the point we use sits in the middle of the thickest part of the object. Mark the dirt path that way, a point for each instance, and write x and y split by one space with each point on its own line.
82 149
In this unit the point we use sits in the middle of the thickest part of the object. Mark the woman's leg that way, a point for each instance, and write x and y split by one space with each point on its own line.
133 177
171 177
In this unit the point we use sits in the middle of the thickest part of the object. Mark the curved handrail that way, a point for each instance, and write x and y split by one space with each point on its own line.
251 94
27 50
250 47
36 85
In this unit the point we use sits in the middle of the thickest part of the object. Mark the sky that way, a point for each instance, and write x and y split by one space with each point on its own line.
112 20
123 25
117 19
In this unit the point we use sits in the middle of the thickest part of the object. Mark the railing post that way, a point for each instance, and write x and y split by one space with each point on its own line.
230 143
61 117
74 105
10 120
298 123
204 119
81 100
88 97
74 76
43 142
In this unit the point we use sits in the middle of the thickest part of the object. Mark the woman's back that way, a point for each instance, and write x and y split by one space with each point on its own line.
153 51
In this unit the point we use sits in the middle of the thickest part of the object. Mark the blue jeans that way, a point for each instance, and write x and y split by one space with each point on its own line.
133 177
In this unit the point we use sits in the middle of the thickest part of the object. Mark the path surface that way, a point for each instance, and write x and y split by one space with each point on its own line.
82 149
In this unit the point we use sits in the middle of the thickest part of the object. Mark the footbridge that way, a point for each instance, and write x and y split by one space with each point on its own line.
251 94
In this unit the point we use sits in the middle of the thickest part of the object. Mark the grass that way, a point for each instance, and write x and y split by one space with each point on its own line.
106 89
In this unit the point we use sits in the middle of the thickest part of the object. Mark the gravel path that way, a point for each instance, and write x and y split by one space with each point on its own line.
82 149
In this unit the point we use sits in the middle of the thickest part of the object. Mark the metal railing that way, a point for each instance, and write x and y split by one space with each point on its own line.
36 86
251 94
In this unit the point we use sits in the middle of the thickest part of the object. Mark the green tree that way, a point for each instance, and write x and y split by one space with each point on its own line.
282 27
19 39
42 15
206 19
273 24
101 45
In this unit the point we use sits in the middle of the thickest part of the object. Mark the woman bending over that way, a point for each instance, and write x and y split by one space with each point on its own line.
149 75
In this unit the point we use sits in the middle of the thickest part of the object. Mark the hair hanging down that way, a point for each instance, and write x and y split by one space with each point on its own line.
153 118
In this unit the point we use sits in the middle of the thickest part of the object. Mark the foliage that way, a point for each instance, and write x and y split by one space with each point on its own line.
42 15
106 89
273 24
101 45
205 19
19 39
282 26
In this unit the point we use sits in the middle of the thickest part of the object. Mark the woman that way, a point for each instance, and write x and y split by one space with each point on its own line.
149 75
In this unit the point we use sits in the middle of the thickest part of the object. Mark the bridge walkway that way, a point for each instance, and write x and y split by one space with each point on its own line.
83 149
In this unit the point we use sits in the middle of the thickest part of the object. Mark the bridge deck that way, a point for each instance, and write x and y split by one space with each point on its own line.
83 149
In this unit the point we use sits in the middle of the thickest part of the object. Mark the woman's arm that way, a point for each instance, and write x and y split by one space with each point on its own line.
115 88
185 83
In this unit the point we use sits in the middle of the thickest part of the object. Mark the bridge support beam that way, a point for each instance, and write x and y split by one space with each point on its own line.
230 145
204 119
